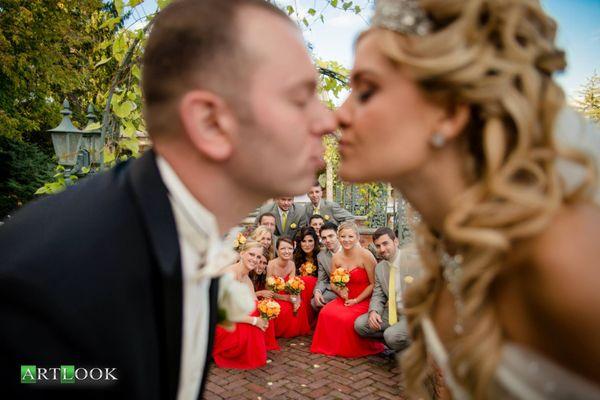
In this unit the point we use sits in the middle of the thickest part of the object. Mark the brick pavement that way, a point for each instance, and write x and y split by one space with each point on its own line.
296 373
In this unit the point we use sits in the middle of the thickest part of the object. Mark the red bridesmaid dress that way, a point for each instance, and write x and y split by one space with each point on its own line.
287 324
270 341
243 348
335 335
306 295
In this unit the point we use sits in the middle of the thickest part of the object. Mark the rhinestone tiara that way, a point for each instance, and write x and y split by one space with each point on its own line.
403 16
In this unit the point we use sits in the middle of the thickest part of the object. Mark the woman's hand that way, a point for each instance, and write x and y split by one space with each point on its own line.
296 302
265 294
350 302
262 324
343 292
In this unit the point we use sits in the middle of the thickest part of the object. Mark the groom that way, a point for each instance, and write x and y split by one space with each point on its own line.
107 276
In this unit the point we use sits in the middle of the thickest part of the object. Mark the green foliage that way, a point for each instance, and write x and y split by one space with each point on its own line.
24 168
589 104
47 54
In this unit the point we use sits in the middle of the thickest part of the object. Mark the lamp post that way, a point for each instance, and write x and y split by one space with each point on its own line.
92 138
66 139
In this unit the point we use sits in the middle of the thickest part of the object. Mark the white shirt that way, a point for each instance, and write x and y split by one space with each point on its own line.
198 233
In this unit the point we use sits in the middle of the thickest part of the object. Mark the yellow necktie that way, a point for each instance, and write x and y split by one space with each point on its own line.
283 221
393 316
316 210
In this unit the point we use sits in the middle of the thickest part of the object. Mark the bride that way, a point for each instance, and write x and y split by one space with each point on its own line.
454 103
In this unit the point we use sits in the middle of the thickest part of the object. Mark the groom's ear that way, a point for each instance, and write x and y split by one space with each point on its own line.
209 123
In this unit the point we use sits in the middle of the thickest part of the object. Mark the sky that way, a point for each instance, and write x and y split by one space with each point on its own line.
578 34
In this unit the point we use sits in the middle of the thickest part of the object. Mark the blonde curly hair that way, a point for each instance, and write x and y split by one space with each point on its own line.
497 57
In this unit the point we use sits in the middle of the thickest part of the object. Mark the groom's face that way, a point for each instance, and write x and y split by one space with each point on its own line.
279 145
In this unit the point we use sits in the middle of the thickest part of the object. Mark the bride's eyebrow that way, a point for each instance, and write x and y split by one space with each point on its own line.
360 76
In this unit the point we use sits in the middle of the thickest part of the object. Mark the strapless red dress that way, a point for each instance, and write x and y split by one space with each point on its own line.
287 324
243 348
306 295
335 335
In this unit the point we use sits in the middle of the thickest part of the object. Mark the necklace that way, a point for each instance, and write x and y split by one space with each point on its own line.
452 273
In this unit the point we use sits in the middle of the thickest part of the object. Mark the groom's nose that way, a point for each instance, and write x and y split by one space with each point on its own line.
324 121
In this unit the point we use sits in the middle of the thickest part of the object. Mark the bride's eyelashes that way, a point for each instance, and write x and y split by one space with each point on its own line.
364 94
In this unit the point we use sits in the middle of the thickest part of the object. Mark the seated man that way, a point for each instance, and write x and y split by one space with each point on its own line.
322 293
384 318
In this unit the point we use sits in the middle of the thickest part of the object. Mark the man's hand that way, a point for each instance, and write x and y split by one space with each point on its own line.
319 299
375 321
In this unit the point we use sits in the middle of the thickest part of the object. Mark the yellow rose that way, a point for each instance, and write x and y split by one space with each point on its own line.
327 217
293 225
345 279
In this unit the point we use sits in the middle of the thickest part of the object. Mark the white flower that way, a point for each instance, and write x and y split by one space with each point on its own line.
235 300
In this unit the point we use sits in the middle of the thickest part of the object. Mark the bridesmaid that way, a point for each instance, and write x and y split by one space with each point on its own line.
305 252
263 235
244 347
335 335
292 320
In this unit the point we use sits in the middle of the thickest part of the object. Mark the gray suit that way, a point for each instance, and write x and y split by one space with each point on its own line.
395 336
324 259
295 217
330 211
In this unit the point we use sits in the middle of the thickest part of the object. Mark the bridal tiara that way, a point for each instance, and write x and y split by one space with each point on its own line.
402 16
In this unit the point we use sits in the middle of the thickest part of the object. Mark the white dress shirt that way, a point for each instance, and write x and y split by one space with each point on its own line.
198 238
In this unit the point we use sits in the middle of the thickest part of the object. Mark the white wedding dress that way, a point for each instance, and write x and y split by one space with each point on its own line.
522 373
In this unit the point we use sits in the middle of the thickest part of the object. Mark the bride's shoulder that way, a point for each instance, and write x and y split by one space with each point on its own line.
570 238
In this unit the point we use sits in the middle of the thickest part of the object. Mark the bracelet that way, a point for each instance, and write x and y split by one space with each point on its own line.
254 321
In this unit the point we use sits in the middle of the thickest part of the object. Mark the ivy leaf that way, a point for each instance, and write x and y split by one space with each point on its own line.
102 62
119 7
305 21
135 71
128 129
290 10
119 48
109 156
110 23
124 109
347 5
357 9
163 3
132 145
93 126
133 3
312 11
322 19
334 3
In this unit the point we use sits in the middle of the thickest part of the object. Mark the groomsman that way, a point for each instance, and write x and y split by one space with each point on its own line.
329 210
392 275
322 293
289 216
316 222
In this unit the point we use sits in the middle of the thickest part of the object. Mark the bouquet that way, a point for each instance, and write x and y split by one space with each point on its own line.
340 277
307 269
268 309
239 241
275 283
294 286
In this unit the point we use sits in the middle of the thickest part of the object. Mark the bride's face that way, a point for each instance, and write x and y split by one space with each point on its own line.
386 121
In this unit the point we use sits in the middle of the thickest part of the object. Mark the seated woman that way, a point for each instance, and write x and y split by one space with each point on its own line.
259 275
305 259
263 261
292 320
335 335
244 347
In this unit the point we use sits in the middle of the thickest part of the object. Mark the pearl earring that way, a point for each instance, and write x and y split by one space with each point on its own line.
438 140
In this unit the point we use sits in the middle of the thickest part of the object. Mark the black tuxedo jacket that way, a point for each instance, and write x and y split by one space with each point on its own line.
92 277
